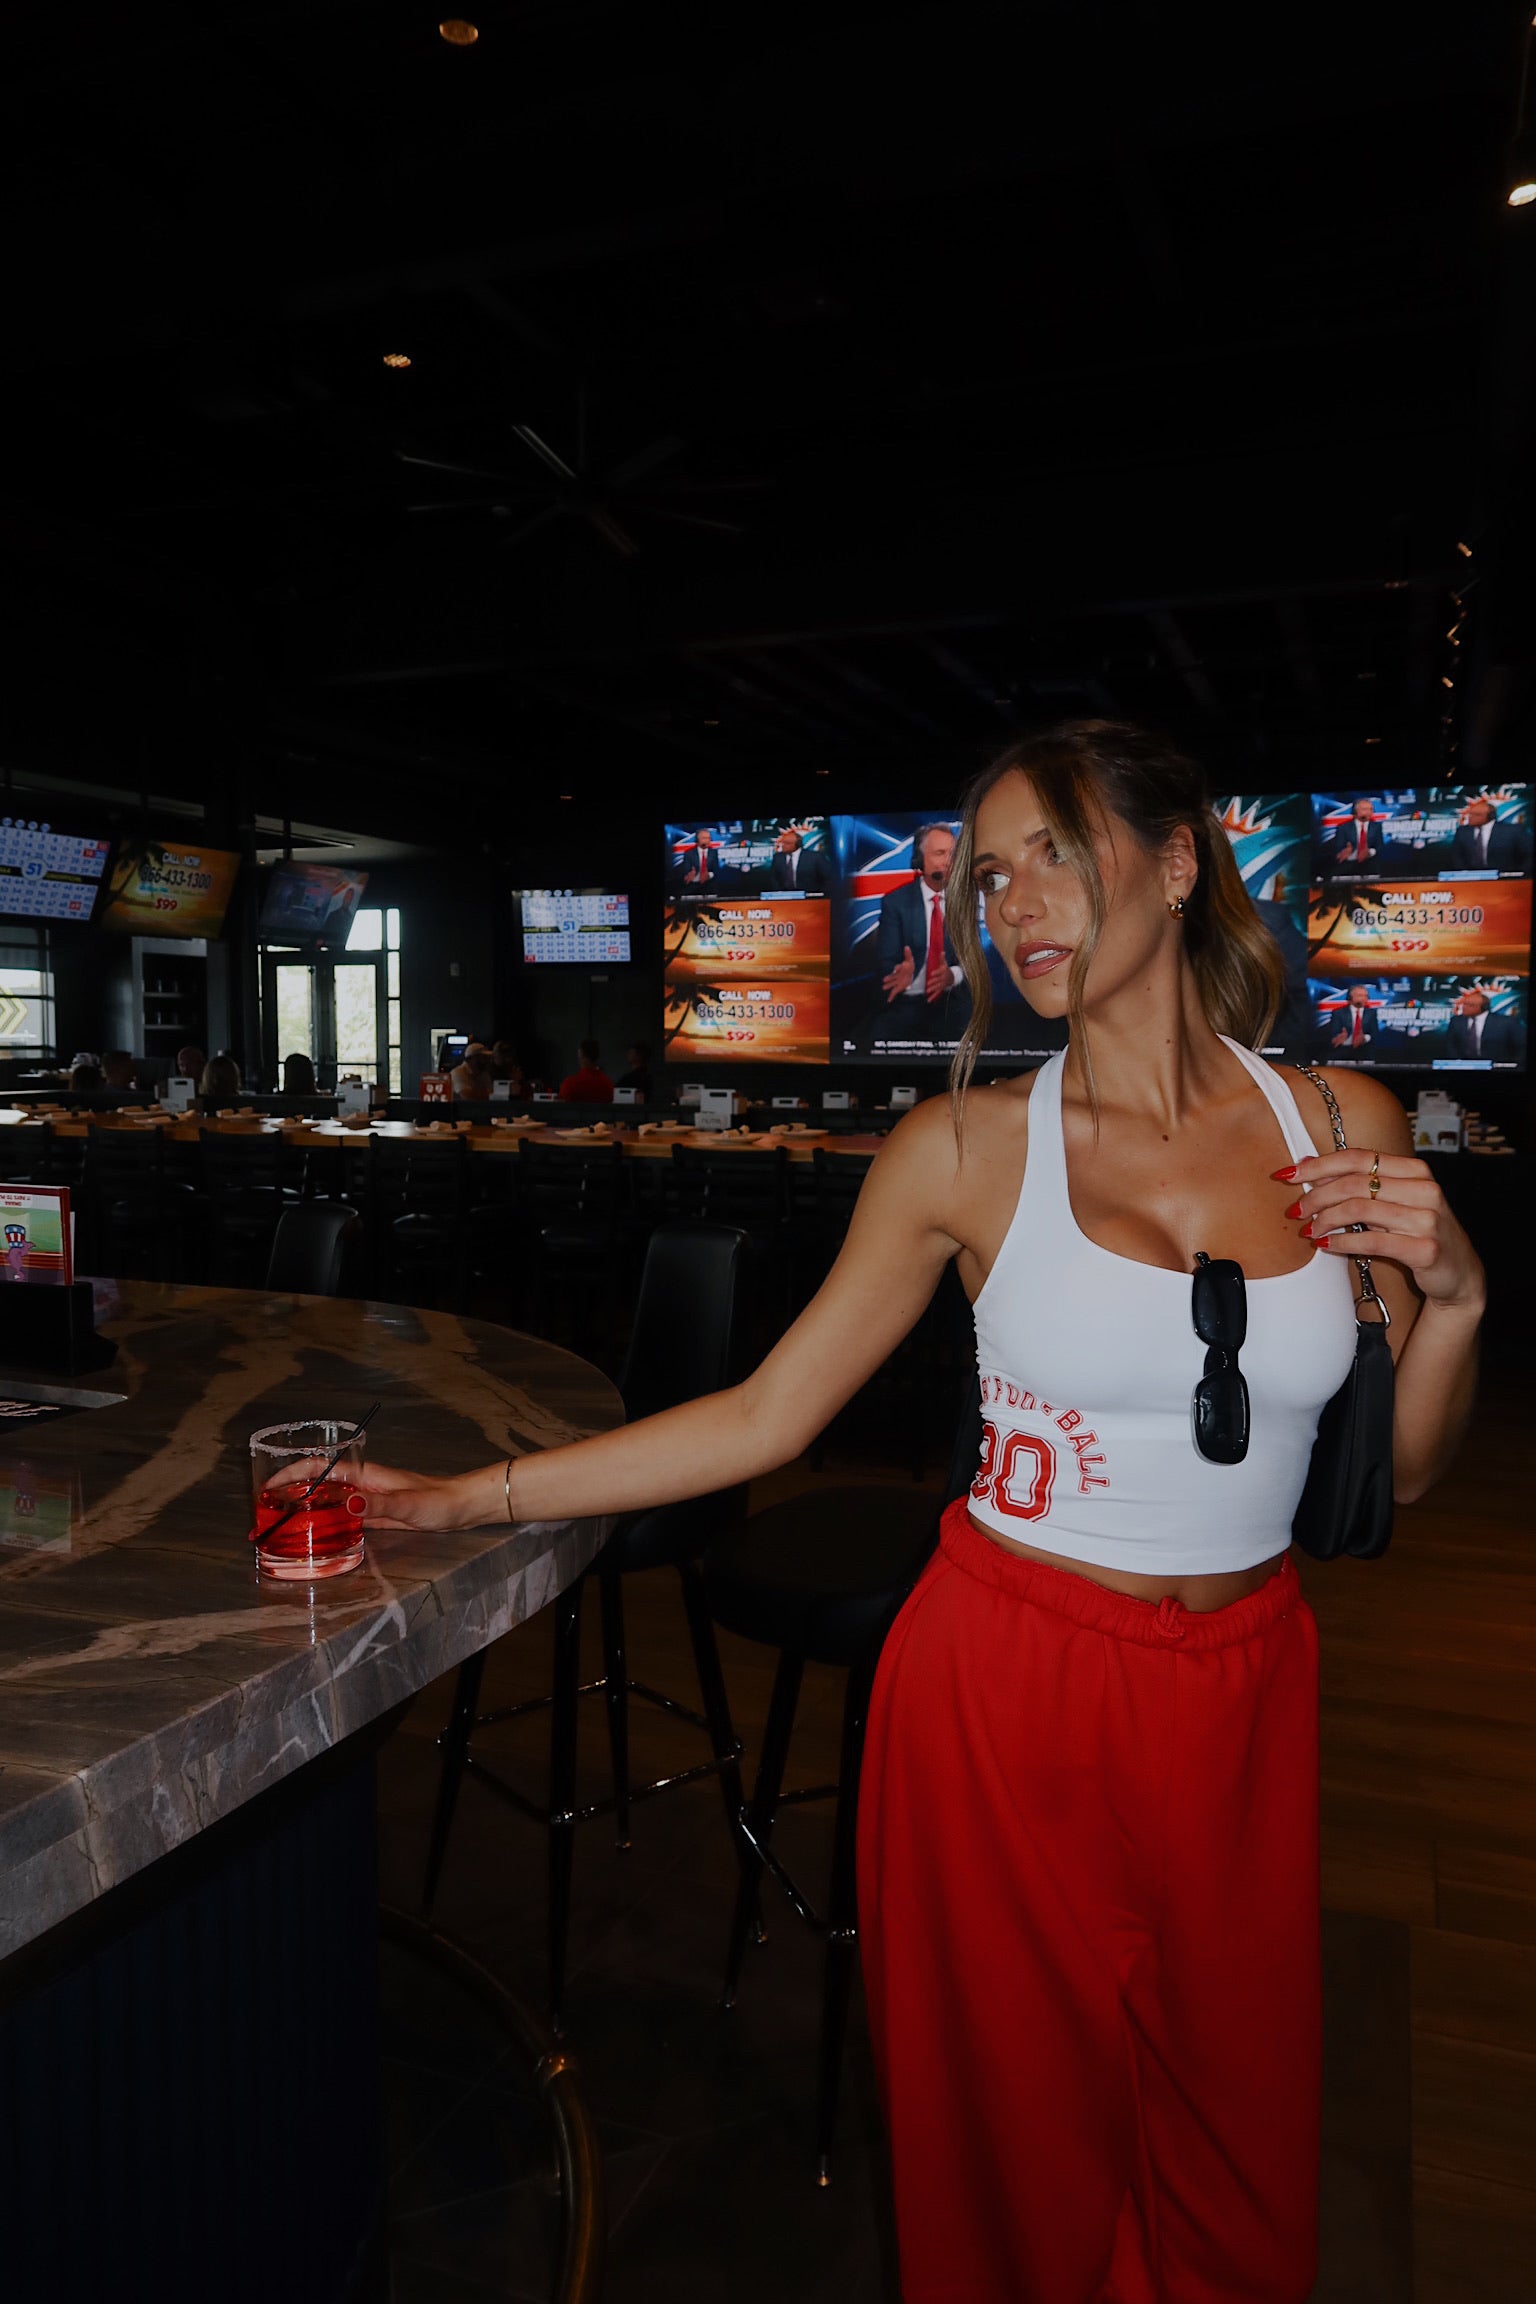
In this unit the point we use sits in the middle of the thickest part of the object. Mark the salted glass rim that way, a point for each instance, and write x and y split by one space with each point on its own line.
346 1428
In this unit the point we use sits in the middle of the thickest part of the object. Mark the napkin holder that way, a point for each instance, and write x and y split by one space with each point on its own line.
51 1329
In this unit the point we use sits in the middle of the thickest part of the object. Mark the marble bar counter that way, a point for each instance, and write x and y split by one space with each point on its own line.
150 1681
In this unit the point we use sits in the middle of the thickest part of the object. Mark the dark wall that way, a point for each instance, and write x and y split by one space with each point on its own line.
448 949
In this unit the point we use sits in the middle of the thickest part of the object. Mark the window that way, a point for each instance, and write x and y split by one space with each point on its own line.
26 999
378 930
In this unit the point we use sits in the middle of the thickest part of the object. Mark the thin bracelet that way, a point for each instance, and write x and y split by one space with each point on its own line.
507 1486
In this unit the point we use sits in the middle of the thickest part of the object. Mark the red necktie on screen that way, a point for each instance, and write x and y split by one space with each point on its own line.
937 975
1360 845
1359 1028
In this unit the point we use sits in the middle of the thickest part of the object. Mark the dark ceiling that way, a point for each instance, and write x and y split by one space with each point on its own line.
918 371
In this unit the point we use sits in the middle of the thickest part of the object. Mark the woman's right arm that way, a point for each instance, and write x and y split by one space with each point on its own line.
891 1261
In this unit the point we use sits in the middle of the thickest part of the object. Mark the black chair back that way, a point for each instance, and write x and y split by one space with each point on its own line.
690 1317
839 1178
124 1161
569 1183
236 1165
745 1188
413 1179
309 1248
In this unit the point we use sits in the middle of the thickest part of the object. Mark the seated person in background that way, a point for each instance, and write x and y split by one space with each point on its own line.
189 1064
117 1068
1483 844
84 1074
591 1085
505 1066
1476 1030
220 1083
298 1076
638 1076
471 1079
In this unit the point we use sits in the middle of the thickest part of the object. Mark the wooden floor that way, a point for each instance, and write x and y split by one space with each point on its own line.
1429 1845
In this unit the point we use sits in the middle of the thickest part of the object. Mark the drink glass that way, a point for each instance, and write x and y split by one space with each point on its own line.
323 1534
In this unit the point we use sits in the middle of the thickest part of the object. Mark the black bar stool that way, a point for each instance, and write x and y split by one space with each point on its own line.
310 1246
689 1321
822 1577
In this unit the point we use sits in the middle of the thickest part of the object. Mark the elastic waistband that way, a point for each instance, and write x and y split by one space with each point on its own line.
1163 1623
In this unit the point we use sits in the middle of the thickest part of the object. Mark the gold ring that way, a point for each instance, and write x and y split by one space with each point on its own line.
1374 1185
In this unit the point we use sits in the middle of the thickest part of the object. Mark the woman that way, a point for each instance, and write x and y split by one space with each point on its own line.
220 1083
1088 1861
298 1075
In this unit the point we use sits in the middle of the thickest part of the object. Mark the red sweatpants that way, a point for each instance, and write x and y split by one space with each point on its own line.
1088 1901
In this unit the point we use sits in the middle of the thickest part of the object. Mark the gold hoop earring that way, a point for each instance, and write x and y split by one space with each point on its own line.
1177 907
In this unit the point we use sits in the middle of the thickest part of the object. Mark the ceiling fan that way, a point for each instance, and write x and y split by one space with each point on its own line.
548 489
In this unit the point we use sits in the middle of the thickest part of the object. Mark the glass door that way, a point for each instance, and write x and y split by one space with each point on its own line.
332 1011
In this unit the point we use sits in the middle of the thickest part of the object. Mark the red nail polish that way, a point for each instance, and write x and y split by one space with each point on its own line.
1294 1208
1306 1231
1283 1175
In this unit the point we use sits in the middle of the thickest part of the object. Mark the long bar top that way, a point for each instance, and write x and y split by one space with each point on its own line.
150 1681
645 1141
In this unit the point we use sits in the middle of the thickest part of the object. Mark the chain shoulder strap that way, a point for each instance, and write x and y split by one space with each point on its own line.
1362 1264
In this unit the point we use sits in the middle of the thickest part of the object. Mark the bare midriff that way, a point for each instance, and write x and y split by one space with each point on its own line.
1199 1594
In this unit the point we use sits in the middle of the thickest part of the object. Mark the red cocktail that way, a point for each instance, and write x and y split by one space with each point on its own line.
309 1509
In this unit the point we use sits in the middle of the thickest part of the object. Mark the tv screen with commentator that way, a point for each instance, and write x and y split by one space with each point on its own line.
1419 899
168 888
573 927
1419 928
310 904
48 875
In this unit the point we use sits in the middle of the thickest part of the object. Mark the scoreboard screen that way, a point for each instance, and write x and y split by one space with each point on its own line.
583 926
48 875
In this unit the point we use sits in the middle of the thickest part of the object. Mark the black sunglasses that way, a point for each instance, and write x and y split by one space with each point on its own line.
1220 1311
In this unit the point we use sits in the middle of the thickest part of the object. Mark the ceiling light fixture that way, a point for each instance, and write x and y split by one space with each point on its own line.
1465 550
1522 194
457 32
397 359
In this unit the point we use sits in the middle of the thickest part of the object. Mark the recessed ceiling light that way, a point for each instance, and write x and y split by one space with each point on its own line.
1521 195
458 33
1465 550
397 359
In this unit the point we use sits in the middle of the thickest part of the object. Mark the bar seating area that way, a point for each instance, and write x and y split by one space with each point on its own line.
665 675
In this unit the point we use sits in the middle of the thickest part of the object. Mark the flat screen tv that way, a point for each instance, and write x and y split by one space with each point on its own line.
573 927
48 875
312 904
168 888
1403 919
1419 928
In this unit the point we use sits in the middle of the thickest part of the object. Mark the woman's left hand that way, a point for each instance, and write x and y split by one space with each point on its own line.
1408 1221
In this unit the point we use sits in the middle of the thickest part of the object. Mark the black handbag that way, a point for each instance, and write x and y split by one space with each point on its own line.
1346 1505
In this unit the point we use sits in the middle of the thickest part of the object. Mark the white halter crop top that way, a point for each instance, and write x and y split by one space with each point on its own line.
1088 1364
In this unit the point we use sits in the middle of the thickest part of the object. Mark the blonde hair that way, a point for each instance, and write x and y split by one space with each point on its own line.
1081 772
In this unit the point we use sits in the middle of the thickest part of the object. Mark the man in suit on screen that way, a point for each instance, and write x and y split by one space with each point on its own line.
1355 1031
795 866
1357 847
922 985
1484 844
1478 1031
696 868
